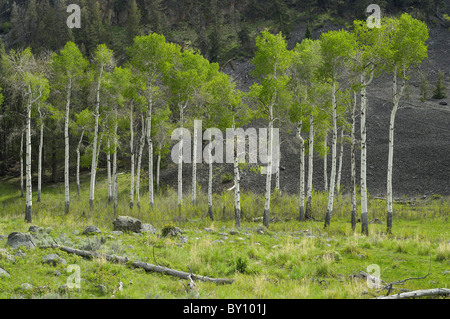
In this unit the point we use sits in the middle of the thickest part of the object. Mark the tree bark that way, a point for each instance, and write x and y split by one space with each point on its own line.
150 152
301 198
108 169
132 156
29 194
41 144
325 164
364 212
309 185
333 161
158 168
419 293
138 170
180 161
21 164
353 166
341 157
66 149
94 146
78 162
115 184
396 96
237 183
268 170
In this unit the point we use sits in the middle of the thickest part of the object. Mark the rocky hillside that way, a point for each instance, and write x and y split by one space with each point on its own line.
422 136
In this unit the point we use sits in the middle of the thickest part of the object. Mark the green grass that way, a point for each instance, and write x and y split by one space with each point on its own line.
284 262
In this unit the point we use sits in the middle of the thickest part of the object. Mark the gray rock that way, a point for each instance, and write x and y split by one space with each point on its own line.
117 232
52 259
127 223
224 237
446 272
57 273
90 230
48 230
234 232
26 286
443 103
223 234
35 229
75 232
7 255
17 239
208 230
217 241
103 289
183 239
147 228
4 273
2 237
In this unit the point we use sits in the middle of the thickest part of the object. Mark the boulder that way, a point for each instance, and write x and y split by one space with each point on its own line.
17 239
52 259
148 228
90 230
4 273
127 223
4 253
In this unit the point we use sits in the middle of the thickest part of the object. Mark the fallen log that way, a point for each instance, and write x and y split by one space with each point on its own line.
418 293
143 265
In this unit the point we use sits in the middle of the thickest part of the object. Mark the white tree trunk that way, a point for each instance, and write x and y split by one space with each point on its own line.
138 170
180 161
333 161
66 150
41 144
158 168
237 181
309 185
115 185
78 162
364 212
29 194
325 164
132 156
150 153
353 166
268 170
301 205
21 164
194 162
396 100
341 157
210 193
94 146
108 169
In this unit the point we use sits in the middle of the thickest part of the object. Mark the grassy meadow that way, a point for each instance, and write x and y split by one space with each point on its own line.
290 259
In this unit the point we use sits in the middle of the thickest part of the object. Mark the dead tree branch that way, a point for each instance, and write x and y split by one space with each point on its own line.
143 265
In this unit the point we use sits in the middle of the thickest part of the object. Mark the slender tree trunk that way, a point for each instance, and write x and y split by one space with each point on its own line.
353 168
66 149
237 182
29 194
132 156
180 162
301 205
396 100
138 170
94 147
341 157
158 168
194 162
364 212
108 170
333 161
21 164
309 186
268 170
210 193
325 164
41 144
277 175
115 185
150 152
78 162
